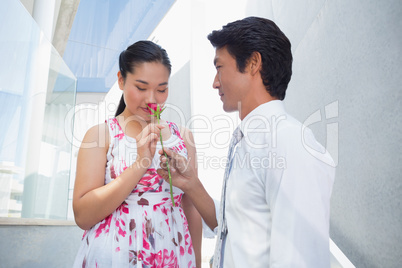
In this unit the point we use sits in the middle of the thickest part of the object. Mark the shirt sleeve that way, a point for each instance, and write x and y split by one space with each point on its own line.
299 195
208 232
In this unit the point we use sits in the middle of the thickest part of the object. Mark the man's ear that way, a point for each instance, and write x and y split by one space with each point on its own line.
120 79
255 63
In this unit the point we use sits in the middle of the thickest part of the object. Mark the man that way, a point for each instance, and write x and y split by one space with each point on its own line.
274 210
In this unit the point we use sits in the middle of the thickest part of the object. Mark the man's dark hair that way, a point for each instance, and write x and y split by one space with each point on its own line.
252 34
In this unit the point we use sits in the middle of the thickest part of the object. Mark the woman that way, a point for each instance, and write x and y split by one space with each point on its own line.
119 199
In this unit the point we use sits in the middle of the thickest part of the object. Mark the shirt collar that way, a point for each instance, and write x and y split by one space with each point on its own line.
263 114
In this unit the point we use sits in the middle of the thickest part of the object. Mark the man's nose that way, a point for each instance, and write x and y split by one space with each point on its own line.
216 84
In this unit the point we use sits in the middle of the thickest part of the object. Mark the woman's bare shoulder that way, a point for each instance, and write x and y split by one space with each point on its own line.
97 136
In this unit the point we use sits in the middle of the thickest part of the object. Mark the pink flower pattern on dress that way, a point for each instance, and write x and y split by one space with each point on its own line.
151 181
103 227
143 228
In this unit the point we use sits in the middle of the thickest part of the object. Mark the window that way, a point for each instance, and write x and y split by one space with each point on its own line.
37 92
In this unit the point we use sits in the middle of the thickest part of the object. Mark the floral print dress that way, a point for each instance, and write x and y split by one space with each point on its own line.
146 230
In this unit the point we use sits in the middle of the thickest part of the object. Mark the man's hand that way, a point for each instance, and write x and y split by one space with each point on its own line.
183 174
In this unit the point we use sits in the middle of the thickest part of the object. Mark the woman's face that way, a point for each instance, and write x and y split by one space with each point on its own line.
148 84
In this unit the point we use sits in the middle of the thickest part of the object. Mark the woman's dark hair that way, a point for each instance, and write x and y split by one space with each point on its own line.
253 34
134 55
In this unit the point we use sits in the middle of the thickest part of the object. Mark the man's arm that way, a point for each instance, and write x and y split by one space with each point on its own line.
299 198
203 203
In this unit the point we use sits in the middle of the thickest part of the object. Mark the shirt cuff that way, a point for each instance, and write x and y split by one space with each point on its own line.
208 232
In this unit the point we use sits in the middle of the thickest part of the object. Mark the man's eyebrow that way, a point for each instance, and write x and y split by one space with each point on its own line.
215 61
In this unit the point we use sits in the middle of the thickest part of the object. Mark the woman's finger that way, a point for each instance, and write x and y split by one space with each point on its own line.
151 128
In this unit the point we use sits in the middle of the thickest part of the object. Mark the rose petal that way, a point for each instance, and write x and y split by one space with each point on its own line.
152 108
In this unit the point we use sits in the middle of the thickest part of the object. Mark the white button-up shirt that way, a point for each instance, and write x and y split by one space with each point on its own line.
278 194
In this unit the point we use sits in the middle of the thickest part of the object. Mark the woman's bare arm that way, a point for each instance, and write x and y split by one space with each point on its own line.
92 199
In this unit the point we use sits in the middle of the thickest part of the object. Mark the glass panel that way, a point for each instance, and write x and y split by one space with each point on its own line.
37 91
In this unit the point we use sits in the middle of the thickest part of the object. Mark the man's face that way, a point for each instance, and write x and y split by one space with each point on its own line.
232 84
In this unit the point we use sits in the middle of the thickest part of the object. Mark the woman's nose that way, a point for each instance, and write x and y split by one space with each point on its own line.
151 97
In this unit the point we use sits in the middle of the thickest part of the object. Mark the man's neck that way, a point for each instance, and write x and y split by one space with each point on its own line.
254 100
